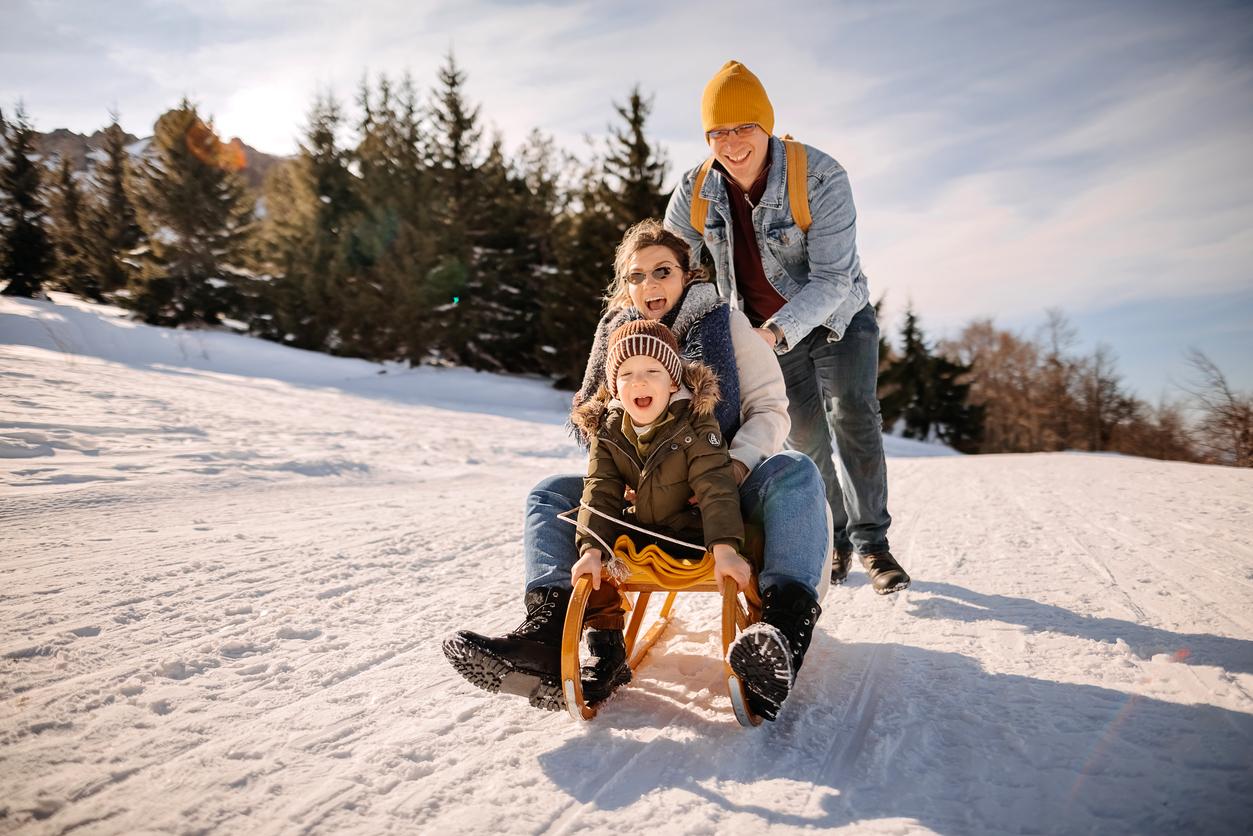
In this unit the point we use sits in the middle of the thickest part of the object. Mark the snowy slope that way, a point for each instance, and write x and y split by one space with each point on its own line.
227 567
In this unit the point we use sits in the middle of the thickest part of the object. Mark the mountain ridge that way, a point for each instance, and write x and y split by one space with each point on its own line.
78 148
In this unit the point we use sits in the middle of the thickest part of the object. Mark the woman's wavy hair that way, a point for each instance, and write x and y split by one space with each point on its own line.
647 233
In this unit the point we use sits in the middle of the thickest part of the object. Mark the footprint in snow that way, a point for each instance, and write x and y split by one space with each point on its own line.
294 633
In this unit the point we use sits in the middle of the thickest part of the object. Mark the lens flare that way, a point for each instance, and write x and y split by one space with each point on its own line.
205 146
1103 742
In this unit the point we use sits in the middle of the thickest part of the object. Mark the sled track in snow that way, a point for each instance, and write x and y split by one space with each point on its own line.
566 817
860 709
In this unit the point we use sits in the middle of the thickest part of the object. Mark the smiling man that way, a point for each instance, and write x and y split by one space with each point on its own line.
787 255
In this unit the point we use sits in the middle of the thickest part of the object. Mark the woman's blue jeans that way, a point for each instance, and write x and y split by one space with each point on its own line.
783 494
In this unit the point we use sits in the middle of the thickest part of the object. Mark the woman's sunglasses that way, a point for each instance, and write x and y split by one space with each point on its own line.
659 273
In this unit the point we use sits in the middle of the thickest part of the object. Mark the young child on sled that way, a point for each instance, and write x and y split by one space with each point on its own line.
651 429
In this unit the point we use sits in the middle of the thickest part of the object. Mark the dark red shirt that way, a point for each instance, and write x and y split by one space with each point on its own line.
761 301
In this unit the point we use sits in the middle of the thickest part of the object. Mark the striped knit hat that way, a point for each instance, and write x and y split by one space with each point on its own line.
735 96
647 337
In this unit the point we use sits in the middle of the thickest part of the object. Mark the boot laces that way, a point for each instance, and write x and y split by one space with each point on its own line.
536 619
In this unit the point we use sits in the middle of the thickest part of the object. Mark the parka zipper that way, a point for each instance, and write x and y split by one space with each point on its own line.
642 468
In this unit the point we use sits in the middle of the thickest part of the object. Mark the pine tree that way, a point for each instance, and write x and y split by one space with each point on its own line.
512 261
303 238
905 382
635 168
69 215
541 227
464 292
26 254
196 213
619 187
387 291
929 394
1103 405
455 156
112 230
484 323
571 303
957 422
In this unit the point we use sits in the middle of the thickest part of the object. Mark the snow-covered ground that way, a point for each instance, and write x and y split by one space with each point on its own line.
227 567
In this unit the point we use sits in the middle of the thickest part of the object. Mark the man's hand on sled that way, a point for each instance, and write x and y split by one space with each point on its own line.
728 564
589 564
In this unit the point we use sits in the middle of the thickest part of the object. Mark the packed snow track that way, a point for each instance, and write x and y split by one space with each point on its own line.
228 567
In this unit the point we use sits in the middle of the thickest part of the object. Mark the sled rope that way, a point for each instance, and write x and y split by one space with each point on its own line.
641 530
619 561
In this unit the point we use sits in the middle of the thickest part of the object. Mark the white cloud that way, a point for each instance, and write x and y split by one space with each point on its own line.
1162 208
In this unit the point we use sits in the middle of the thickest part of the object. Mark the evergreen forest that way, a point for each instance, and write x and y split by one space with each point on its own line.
404 229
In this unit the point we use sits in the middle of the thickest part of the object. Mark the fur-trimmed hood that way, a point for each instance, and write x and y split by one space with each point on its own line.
699 384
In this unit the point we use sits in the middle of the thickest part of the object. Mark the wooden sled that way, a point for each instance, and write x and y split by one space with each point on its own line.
653 570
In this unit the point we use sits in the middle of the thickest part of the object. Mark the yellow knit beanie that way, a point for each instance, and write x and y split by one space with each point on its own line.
735 96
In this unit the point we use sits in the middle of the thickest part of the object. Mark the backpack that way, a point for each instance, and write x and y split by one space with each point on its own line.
797 192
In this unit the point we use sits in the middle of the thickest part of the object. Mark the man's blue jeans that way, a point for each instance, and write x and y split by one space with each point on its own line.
783 495
832 396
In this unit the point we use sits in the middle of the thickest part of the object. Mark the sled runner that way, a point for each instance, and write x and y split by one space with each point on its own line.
650 570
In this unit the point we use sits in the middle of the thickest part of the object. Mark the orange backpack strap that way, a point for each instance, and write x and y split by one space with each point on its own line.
700 206
797 183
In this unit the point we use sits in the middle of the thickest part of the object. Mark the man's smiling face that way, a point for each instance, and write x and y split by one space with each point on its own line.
742 156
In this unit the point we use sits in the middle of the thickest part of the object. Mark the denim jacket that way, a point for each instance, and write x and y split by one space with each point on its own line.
819 274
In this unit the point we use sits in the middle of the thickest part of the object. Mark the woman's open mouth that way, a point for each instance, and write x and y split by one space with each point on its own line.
655 304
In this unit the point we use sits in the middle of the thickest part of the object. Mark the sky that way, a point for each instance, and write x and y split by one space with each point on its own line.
1006 158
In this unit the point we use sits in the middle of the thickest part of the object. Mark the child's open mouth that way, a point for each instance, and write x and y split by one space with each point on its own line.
644 403
655 304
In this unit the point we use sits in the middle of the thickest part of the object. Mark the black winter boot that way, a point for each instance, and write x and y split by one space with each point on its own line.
841 562
767 655
606 665
527 661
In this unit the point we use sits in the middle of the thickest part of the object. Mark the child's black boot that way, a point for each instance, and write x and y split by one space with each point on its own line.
605 667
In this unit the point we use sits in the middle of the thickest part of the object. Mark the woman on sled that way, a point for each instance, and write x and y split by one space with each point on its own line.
780 491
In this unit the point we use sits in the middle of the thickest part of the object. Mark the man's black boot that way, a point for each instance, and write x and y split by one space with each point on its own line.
769 653
886 575
605 667
526 661
841 562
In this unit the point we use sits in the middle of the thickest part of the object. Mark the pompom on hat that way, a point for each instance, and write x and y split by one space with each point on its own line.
647 337
734 96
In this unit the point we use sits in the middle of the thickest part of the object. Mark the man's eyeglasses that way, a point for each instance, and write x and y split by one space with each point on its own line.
659 273
739 130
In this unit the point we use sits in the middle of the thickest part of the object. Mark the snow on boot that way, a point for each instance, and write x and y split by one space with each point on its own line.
841 562
886 575
605 667
526 661
768 654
